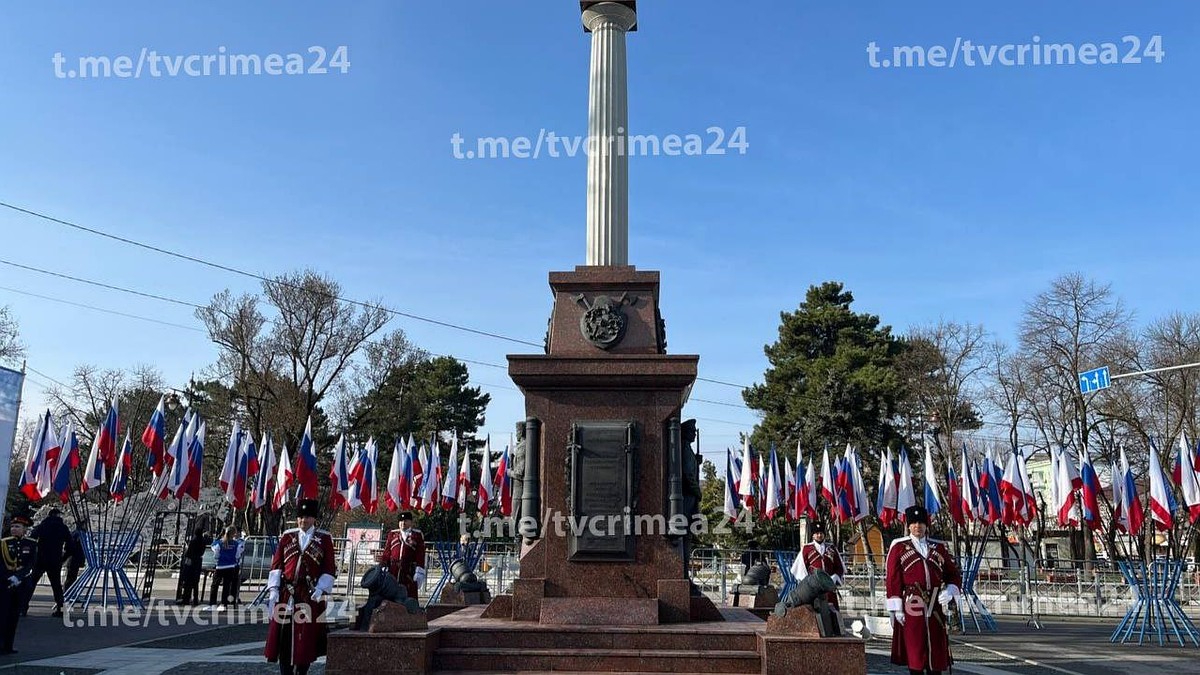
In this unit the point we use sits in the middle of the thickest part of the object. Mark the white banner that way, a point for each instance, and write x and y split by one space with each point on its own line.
10 402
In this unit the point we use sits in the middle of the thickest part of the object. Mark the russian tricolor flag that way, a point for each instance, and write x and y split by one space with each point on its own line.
197 431
339 475
94 474
37 464
731 502
154 437
933 498
1091 490
485 477
1162 501
124 467
266 472
504 483
1189 482
283 480
68 459
306 465
1132 516
106 437
885 494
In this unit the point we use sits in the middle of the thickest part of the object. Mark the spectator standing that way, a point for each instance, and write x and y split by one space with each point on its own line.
229 556
52 535
190 568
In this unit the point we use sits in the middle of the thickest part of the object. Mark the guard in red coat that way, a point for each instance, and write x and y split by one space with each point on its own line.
922 577
404 555
302 574
818 555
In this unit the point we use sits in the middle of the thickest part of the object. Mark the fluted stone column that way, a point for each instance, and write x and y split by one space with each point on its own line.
608 123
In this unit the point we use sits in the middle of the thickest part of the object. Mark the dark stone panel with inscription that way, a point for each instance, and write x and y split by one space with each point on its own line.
601 504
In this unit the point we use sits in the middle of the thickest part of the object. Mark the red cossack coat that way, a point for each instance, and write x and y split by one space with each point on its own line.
300 572
829 562
913 584
402 555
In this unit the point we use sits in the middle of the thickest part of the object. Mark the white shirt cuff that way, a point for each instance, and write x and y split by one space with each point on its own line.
274 578
895 605
953 591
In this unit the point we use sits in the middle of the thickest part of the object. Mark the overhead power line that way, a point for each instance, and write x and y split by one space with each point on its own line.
252 275
727 384
99 284
259 277
100 309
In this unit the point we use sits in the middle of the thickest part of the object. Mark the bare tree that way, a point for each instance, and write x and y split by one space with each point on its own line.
1067 329
246 361
379 358
954 398
1073 326
316 332
91 390
279 368
1173 341
1008 389
11 349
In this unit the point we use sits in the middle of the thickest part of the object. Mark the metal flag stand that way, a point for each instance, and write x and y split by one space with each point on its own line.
1154 606
447 553
785 559
970 602
111 530
107 550
106 554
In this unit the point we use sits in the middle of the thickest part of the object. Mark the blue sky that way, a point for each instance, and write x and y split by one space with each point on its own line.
932 193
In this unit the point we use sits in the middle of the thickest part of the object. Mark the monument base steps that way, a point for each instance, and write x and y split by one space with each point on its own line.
466 642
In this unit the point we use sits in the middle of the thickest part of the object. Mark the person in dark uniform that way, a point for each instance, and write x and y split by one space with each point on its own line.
18 554
52 536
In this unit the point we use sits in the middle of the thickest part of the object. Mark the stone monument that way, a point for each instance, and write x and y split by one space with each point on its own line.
603 472
607 477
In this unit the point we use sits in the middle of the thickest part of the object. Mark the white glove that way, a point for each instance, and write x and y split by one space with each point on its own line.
317 594
837 580
419 576
14 581
273 596
948 594
899 616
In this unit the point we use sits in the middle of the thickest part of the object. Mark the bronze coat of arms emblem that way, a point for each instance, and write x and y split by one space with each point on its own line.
603 323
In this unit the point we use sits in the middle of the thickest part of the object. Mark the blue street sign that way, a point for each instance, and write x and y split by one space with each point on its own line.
1094 380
